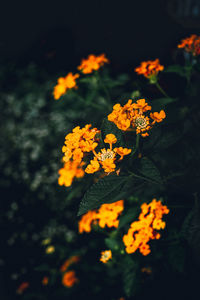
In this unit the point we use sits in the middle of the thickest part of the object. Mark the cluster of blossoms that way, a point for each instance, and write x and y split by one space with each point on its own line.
23 286
150 68
144 230
191 44
106 157
73 259
92 63
69 279
65 83
105 256
107 215
45 280
88 65
70 170
135 115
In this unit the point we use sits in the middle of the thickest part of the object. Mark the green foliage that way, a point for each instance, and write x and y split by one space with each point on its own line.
106 190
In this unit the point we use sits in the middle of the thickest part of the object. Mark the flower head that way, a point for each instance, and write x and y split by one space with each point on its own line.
69 262
69 279
65 83
106 215
45 280
144 230
105 256
92 63
50 249
23 286
70 170
191 44
106 157
135 115
149 68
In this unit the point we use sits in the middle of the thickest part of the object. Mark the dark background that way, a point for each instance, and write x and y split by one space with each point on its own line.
57 34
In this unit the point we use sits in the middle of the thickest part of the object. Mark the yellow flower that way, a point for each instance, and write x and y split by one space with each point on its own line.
93 166
158 117
122 151
105 256
86 221
46 241
92 63
50 249
65 83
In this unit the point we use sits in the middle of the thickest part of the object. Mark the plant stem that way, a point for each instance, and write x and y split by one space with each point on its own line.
136 144
105 90
161 90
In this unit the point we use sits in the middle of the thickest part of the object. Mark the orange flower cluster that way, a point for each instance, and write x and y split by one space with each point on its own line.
149 68
134 114
45 280
69 279
71 170
65 83
69 262
191 44
105 256
106 215
144 230
23 286
79 141
92 63
106 157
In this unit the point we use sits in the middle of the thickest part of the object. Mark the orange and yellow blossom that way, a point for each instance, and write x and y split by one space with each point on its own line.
70 170
135 115
23 286
65 83
92 63
78 142
106 157
106 215
69 262
149 68
105 256
191 44
86 221
45 280
144 230
69 279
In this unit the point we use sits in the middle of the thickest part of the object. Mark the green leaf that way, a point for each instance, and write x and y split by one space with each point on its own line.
106 190
130 276
180 70
149 171
111 244
128 216
158 104
108 127
176 257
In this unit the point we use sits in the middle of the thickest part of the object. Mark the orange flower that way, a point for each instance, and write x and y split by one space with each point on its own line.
45 280
144 230
65 83
106 157
86 221
69 279
92 63
105 256
68 262
149 68
23 286
135 115
71 170
122 151
191 44
107 215
158 117
79 141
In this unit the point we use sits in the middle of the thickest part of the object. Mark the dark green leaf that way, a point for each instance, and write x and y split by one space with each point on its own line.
180 70
128 217
149 170
130 276
112 244
106 190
